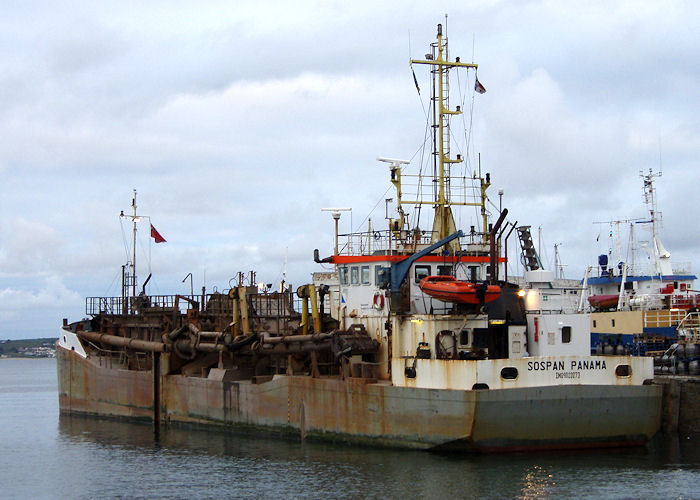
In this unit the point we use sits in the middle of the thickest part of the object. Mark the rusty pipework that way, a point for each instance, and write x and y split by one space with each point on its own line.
199 333
192 342
315 337
114 340
338 343
297 348
210 347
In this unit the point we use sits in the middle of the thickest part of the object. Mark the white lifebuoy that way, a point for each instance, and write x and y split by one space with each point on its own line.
378 300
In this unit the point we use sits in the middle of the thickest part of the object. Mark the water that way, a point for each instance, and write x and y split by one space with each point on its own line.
44 456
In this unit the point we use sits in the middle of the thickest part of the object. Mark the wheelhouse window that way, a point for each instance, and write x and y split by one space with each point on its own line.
364 275
381 275
343 271
422 271
444 270
354 275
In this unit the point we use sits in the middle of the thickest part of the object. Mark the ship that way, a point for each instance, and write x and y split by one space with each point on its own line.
363 354
645 304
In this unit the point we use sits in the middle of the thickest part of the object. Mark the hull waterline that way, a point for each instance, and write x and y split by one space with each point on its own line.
561 417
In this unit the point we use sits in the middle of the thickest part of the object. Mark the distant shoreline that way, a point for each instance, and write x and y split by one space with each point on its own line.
26 357
28 348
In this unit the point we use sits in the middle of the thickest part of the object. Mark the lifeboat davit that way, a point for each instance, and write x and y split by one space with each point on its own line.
449 289
603 301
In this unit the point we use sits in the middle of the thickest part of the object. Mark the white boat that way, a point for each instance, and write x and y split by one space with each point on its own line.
637 296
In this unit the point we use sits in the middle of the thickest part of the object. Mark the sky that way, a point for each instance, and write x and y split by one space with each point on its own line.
237 122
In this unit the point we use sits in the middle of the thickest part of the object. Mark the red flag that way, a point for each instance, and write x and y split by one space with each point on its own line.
156 235
479 87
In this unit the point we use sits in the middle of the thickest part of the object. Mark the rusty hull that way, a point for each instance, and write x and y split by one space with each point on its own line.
372 413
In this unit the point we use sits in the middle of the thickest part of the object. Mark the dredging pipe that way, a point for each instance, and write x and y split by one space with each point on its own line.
268 339
115 340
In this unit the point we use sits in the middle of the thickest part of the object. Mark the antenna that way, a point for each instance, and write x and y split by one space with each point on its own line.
335 212
558 266
129 278
393 161
286 256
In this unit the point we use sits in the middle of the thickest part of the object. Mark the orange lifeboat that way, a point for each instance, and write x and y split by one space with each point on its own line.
603 301
449 289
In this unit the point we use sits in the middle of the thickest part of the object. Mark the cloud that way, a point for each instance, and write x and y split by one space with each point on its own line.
30 248
36 311
237 122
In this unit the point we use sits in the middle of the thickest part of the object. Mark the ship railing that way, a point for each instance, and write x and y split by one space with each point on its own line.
546 311
379 242
104 305
459 189
635 270
265 305
279 312
682 268
126 305
663 318
689 327
400 241
276 305
562 308
683 300
159 301
650 270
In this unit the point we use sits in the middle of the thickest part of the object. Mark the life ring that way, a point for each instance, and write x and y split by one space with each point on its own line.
378 300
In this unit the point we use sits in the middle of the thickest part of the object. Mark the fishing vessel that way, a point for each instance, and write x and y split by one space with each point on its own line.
364 353
637 296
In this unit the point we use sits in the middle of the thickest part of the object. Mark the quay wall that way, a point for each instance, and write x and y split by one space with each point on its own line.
681 404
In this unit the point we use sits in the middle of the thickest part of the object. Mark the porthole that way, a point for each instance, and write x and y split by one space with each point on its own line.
509 373
623 370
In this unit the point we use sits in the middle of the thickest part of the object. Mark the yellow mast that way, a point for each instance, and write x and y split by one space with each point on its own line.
444 224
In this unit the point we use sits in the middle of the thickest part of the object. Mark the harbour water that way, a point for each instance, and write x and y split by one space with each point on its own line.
47 456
